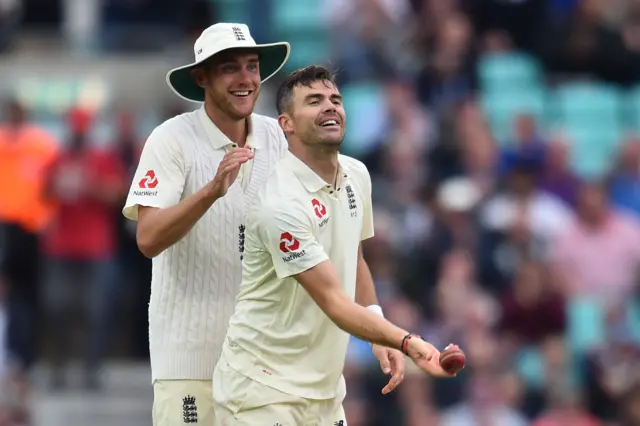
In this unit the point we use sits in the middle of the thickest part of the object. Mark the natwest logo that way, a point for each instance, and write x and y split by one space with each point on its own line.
288 243
318 208
149 181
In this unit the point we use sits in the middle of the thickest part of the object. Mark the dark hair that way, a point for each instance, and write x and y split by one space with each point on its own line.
302 77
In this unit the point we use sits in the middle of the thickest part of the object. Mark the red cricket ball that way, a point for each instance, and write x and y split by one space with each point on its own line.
452 359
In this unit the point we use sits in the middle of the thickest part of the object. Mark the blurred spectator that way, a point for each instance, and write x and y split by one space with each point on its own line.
4 332
485 405
460 305
565 409
370 38
478 151
521 18
631 34
13 409
614 367
625 181
135 269
25 153
9 16
522 219
447 78
599 253
528 145
531 312
582 44
382 254
80 247
557 177
453 226
630 407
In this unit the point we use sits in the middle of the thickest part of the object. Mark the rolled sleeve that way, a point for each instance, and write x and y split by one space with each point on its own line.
160 177
287 234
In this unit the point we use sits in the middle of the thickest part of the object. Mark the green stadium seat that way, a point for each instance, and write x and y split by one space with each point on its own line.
306 50
585 325
501 72
530 366
232 10
592 116
366 109
587 102
297 15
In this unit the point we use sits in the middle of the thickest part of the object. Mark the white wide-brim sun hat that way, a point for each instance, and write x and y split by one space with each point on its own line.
218 38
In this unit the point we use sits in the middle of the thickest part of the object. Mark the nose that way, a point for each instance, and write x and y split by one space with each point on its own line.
329 106
245 75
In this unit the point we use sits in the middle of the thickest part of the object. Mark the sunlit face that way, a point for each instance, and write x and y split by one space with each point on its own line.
316 115
231 81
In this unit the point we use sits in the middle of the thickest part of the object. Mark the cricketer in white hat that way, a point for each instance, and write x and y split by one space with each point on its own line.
198 174
219 38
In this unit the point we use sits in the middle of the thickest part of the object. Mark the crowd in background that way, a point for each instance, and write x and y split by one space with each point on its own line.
500 246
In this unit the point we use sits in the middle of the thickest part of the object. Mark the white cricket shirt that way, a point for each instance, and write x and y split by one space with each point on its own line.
278 335
195 282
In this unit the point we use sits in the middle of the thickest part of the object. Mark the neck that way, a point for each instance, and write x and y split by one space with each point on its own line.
322 160
235 130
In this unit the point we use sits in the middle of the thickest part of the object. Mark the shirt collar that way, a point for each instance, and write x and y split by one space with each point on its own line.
220 140
309 179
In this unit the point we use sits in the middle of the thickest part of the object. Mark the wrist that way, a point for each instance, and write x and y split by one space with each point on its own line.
408 343
210 193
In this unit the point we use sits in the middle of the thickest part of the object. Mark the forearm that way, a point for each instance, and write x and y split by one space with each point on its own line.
165 227
362 322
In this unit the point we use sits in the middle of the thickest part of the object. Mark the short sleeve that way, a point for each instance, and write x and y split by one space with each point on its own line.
160 176
287 234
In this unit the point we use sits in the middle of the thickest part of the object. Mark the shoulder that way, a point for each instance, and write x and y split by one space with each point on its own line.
269 131
355 168
265 122
274 211
177 127
282 195
173 134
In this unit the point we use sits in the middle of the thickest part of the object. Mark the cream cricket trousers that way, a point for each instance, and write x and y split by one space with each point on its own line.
241 401
182 402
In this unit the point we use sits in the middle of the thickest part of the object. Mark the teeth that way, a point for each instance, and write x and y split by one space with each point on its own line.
329 123
245 93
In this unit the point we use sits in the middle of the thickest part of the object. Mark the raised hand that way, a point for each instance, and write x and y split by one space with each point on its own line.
228 170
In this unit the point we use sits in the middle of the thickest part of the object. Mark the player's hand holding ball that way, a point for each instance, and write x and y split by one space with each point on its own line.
440 365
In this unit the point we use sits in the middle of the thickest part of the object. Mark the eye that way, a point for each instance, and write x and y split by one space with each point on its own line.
314 102
229 68
252 67
337 102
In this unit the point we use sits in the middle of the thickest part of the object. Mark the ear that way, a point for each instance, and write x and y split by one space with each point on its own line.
286 123
200 76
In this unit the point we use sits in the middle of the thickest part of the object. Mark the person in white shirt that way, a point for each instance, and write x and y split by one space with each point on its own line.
198 173
305 283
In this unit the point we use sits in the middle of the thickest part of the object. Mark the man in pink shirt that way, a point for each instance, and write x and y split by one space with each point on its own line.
599 254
